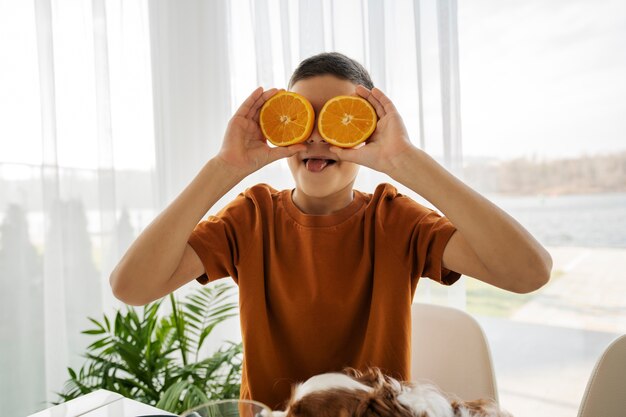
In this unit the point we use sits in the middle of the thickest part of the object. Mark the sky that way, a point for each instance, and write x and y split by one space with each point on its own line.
542 78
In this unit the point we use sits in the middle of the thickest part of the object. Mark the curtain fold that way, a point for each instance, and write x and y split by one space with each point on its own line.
285 37
376 53
418 71
53 313
191 89
450 86
312 35
121 104
263 42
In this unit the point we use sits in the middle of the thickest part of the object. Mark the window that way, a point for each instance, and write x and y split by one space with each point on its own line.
543 98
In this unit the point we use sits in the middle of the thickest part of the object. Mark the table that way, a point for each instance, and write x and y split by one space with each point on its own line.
101 403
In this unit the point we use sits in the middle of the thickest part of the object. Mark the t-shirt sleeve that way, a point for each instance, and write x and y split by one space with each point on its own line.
221 239
419 235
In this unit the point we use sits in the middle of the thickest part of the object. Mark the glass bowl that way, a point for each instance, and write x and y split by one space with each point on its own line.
230 408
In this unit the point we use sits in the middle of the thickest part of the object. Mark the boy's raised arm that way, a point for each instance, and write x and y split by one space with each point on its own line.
144 272
489 244
160 260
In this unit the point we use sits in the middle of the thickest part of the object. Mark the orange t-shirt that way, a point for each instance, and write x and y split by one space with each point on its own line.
318 293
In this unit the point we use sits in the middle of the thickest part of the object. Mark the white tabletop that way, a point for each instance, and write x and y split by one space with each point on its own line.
101 403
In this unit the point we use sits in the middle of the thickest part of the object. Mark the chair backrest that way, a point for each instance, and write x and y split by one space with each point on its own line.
605 394
449 348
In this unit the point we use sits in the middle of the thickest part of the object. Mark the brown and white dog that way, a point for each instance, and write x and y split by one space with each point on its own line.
372 394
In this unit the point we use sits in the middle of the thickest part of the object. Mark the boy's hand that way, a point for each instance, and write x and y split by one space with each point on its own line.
244 148
389 141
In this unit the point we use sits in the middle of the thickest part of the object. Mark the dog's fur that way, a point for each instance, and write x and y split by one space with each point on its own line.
372 394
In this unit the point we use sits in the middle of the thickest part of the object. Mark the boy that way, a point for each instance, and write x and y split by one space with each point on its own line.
326 273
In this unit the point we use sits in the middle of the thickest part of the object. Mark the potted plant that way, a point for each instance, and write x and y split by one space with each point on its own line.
154 358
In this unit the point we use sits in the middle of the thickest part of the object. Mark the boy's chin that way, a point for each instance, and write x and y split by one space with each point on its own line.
321 189
315 191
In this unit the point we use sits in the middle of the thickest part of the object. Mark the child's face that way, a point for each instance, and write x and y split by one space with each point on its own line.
316 179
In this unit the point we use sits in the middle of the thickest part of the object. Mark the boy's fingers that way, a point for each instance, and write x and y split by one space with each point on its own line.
367 94
280 152
384 100
346 154
249 102
253 113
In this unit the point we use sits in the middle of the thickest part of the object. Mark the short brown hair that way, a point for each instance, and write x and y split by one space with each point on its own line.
334 63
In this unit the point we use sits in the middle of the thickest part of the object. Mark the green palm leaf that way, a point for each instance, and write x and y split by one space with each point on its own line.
145 355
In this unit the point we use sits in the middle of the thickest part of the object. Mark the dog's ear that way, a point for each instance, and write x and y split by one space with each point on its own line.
372 377
302 409
382 402
326 403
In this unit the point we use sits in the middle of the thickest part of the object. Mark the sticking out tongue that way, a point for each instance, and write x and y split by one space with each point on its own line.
316 165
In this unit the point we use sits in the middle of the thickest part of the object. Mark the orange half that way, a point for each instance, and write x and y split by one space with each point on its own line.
286 118
346 121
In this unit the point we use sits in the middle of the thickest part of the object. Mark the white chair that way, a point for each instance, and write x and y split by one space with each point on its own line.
605 395
449 349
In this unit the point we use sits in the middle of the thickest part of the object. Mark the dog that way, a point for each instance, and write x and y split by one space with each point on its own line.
373 394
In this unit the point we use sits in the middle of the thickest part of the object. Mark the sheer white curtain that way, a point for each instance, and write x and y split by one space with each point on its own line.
76 178
108 109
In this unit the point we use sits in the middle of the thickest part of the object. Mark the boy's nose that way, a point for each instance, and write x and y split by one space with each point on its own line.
315 137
